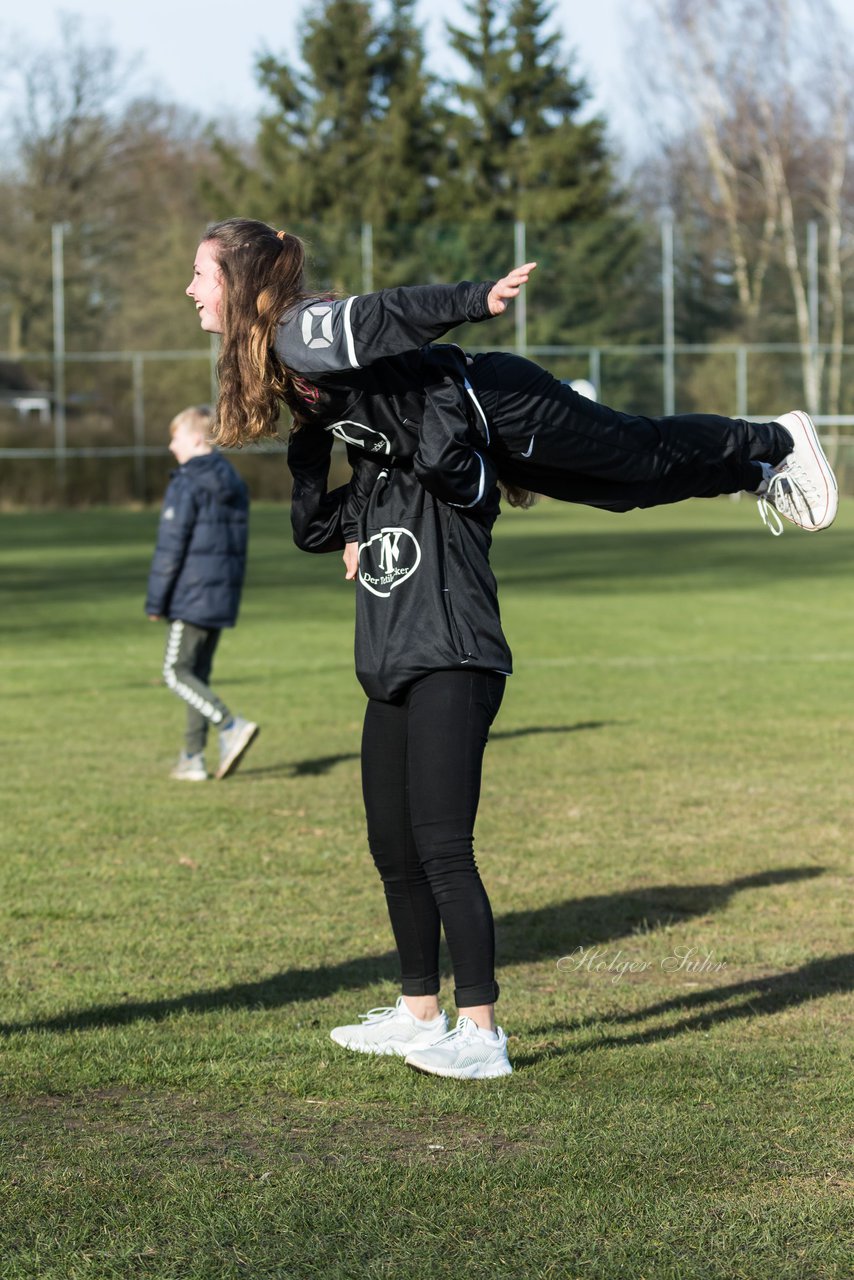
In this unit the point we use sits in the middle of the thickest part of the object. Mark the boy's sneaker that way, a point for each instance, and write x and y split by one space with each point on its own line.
234 742
802 488
466 1053
390 1030
190 768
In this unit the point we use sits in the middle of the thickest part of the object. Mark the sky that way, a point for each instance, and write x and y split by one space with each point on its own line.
202 54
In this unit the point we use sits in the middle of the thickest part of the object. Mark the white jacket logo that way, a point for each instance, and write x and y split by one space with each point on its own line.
308 326
387 559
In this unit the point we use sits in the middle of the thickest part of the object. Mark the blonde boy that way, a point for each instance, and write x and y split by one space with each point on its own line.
195 584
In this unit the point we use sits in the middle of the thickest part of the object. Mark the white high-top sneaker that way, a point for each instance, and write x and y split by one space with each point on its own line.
802 488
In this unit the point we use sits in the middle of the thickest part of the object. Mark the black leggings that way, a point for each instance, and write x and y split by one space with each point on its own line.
421 769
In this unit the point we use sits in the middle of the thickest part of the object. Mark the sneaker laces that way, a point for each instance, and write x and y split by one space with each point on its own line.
380 1014
789 491
769 517
465 1028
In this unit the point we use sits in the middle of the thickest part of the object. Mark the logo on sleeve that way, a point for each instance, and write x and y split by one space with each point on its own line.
387 559
317 326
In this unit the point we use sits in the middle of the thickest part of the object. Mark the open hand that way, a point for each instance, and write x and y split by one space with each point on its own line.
351 560
507 288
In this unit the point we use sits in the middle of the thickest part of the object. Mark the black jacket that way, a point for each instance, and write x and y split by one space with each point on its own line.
387 391
426 599
200 558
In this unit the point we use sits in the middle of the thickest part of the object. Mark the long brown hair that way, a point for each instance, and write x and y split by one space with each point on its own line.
263 275
516 496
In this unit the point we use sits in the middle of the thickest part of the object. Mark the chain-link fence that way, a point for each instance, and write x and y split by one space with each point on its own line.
111 446
91 426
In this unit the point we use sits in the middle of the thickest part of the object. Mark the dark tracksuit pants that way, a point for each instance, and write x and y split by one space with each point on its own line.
421 769
548 438
186 669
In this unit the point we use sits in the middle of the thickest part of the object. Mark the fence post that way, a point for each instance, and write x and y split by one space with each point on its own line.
668 321
741 382
595 367
521 304
367 257
59 426
814 390
138 426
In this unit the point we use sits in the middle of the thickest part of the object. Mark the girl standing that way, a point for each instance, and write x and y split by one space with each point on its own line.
428 431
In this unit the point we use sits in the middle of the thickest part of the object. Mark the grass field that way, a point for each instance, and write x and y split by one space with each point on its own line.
665 834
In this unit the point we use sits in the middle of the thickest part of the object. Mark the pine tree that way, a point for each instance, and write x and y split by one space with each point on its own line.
351 138
526 154
360 134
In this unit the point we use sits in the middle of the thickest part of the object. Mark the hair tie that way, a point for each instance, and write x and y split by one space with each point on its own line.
280 235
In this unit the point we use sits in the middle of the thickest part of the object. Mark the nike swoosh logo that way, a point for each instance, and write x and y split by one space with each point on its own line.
530 449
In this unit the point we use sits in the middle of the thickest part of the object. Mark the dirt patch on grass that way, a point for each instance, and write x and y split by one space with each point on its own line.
181 1127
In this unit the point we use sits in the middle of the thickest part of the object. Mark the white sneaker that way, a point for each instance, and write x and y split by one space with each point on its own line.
234 742
190 768
390 1030
467 1053
803 487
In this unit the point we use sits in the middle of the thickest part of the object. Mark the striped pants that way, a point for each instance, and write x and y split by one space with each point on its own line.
186 670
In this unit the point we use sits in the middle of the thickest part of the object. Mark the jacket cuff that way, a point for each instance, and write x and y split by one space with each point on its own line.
480 307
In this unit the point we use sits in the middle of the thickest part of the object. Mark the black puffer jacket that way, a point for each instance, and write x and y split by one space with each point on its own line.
200 557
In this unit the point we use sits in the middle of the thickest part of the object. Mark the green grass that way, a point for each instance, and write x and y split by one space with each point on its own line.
665 835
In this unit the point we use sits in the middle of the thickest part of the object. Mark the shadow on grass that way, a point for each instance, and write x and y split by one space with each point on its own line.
755 998
627 553
323 764
524 937
582 727
299 768
558 929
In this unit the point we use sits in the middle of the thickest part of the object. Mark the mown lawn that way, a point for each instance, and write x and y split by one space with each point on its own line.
665 833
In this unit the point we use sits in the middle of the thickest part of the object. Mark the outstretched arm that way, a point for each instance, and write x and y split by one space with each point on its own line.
327 336
446 461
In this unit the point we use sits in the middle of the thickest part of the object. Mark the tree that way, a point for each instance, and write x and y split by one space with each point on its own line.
360 133
526 153
61 153
523 151
760 154
121 175
350 137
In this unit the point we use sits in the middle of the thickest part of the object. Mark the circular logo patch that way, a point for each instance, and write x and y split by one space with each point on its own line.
387 559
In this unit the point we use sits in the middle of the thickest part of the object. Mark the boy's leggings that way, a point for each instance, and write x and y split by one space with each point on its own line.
186 670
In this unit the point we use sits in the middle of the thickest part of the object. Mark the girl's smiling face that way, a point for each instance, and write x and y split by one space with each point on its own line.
205 288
